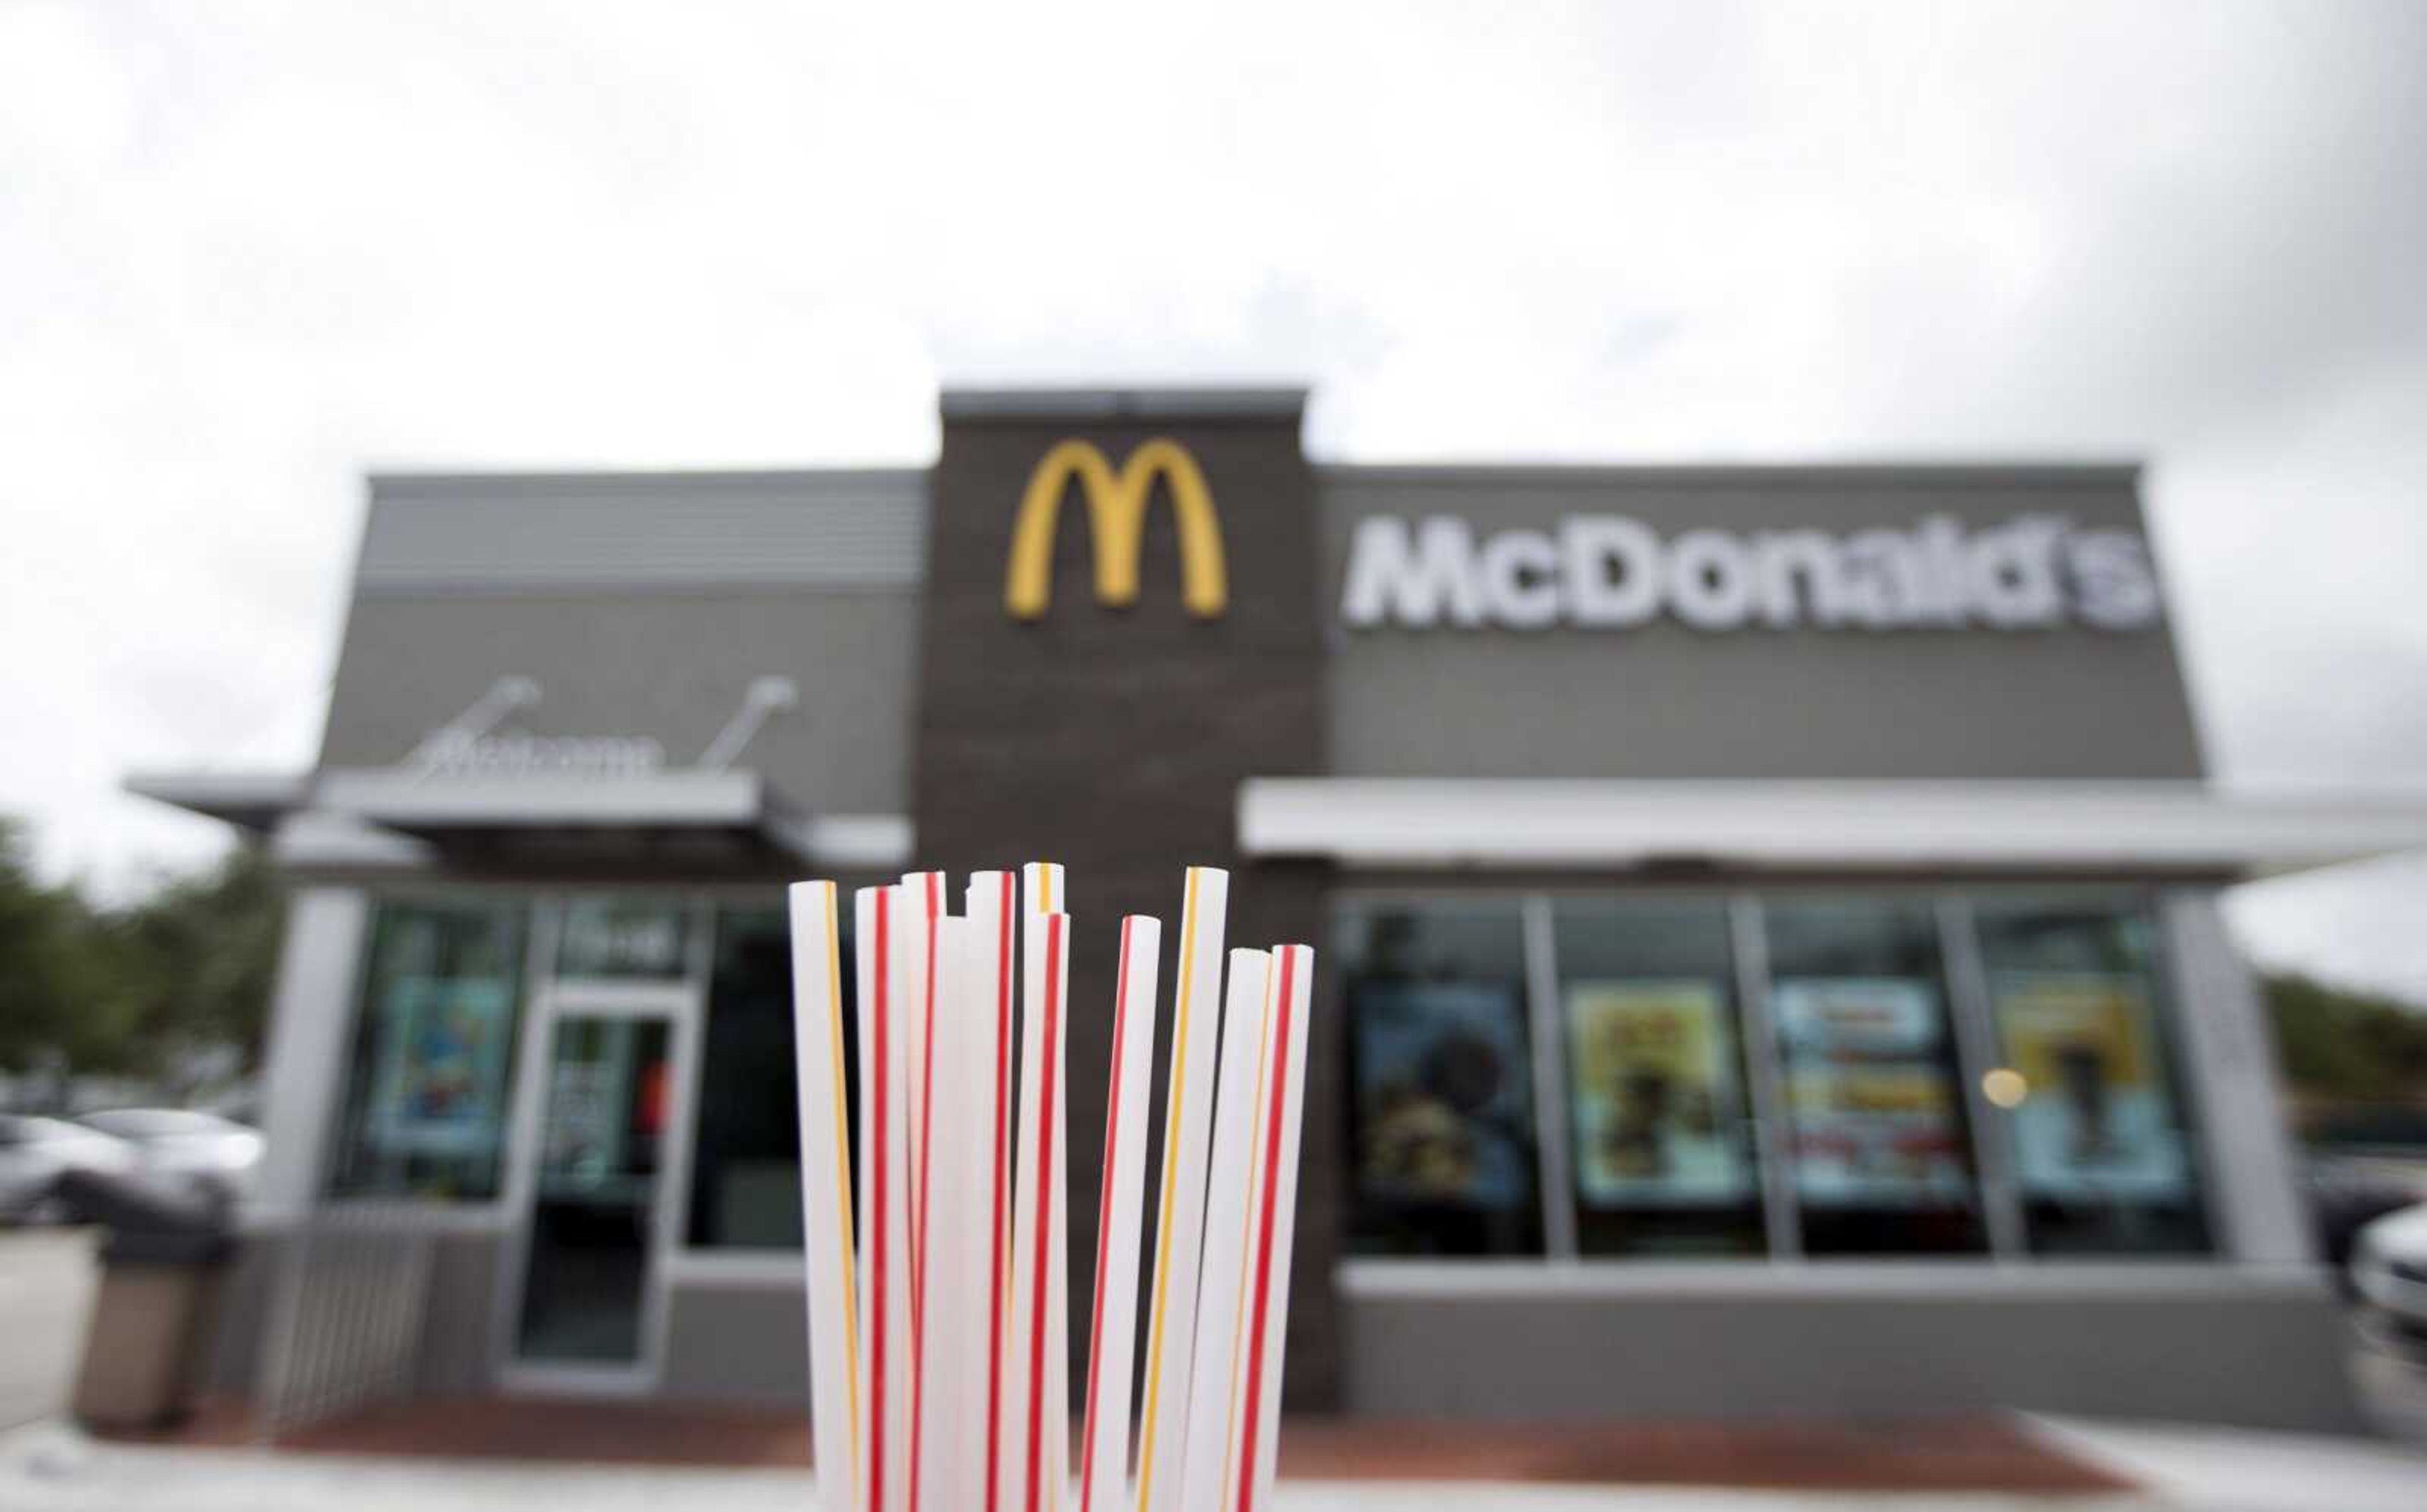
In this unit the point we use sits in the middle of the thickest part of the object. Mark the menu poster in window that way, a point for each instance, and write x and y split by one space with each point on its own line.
582 1137
1442 1112
1873 1107
1655 1096
441 1066
2094 1121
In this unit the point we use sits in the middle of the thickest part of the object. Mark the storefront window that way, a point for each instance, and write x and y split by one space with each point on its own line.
1442 1105
1659 1118
1876 1138
745 1188
434 1052
634 938
2101 1152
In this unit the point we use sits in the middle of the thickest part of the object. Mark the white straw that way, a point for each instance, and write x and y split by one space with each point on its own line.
922 906
1054 1411
1180 1222
938 1270
885 1234
923 910
1270 1285
954 1337
993 911
825 1191
1112 1344
1245 1046
1027 1467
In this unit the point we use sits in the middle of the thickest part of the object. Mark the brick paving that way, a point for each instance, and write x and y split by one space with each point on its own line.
1962 1453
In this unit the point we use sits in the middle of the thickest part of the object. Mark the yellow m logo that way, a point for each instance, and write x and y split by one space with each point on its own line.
1117 517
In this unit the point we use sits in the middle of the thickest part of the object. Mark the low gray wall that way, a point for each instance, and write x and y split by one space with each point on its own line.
742 1344
455 1359
2270 1355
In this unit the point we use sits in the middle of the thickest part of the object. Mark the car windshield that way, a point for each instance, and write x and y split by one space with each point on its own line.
156 1123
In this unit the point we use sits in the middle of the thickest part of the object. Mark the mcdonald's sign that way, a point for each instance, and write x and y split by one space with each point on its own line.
1117 503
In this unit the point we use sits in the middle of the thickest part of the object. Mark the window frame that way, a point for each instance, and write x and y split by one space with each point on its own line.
1952 906
1529 1017
494 1209
2170 1036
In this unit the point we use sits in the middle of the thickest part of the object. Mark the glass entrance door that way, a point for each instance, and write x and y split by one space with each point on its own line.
607 1114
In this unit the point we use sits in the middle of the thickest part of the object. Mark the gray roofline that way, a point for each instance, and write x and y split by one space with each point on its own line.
387 485
408 485
2071 473
1208 403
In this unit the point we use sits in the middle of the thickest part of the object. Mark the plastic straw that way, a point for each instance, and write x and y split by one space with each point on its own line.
884 1211
825 1193
1213 1383
922 911
1180 1221
955 1343
994 911
938 1270
1268 1313
1112 1334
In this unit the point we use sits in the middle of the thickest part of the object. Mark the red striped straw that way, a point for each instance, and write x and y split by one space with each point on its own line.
1111 1335
900 1374
1006 912
877 1094
1275 1096
1056 928
930 886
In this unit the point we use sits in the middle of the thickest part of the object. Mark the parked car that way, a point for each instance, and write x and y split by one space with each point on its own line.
2388 1269
2347 1192
36 1152
213 1156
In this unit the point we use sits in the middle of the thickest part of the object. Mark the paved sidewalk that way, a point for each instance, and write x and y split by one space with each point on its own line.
51 1468
2233 1470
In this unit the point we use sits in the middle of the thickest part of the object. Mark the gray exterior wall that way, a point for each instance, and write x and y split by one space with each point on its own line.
1667 701
670 665
1120 737
2262 1353
837 528
643 605
456 1329
738 1343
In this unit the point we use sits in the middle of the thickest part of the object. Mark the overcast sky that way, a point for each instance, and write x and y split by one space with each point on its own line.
248 249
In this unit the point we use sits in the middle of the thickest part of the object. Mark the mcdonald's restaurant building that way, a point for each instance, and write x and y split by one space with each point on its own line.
1770 956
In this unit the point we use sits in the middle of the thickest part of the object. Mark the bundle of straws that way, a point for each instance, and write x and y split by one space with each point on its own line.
938 1281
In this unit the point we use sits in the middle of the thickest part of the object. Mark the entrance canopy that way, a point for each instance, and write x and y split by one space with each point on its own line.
402 819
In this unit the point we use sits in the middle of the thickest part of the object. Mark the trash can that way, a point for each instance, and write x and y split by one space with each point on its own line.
152 1312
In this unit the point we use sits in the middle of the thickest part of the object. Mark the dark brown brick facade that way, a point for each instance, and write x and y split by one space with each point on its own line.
1113 740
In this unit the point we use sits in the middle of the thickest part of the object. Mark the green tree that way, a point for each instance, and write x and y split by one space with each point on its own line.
138 989
2341 1046
56 1010
193 963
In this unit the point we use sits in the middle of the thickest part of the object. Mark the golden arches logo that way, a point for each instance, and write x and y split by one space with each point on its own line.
1117 503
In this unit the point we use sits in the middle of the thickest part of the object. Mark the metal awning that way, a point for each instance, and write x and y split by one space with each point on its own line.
1818 825
254 800
405 819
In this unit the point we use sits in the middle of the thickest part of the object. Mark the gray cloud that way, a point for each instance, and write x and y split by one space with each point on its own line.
246 253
